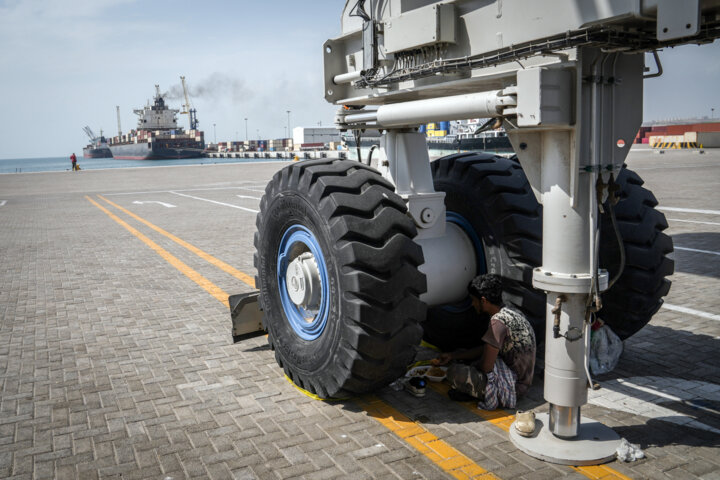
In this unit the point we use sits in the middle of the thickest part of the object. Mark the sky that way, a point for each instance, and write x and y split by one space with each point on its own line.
65 64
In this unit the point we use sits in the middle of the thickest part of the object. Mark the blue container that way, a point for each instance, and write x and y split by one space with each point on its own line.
423 128
444 126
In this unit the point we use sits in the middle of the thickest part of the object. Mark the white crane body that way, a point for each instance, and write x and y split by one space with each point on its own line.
565 79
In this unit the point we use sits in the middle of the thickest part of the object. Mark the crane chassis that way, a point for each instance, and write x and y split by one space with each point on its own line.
352 254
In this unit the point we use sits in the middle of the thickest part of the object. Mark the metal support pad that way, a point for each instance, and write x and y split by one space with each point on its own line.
595 443
246 315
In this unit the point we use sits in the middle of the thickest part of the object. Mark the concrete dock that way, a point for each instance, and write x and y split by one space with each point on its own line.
116 358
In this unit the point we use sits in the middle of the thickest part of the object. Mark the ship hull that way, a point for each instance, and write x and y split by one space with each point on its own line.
151 151
97 153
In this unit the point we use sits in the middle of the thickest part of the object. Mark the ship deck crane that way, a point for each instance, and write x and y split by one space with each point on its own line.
88 131
351 254
187 107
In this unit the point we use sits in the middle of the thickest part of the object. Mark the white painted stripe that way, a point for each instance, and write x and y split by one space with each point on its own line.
689 210
660 398
218 203
166 205
690 311
248 196
669 167
2 203
199 189
709 252
693 221
667 396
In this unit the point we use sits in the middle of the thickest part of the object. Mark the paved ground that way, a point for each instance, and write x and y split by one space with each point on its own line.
114 364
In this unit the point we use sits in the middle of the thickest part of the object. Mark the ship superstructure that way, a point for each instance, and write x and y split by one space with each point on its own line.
158 135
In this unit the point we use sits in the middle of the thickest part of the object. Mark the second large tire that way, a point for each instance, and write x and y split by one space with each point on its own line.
630 304
363 333
491 199
494 196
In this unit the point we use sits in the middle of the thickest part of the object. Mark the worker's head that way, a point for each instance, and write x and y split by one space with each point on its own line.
486 293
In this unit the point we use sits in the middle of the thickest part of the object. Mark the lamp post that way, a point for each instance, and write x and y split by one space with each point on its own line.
288 126
246 135
712 113
214 135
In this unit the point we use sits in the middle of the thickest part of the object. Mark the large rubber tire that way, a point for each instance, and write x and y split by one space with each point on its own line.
630 304
360 228
493 196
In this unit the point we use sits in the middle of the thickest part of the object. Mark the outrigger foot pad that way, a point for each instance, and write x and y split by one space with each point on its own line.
246 316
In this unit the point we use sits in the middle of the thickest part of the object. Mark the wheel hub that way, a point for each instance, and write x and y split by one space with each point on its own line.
303 283
302 280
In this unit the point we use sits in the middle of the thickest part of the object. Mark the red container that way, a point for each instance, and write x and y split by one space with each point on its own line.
707 127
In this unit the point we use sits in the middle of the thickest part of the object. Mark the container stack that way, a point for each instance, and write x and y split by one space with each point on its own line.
280 144
691 135
440 129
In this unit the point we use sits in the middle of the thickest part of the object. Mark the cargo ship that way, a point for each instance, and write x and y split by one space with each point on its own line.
98 147
158 135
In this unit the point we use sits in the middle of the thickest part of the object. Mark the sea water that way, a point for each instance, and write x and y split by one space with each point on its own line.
60 164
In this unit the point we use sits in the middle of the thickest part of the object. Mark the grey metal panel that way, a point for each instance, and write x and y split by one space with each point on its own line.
420 27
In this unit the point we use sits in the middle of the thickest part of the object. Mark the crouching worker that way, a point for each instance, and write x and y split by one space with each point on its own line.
500 370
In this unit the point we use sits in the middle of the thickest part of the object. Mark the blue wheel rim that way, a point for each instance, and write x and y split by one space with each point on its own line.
307 325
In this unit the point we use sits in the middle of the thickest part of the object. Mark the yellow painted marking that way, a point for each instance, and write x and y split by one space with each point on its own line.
243 277
504 420
206 284
439 452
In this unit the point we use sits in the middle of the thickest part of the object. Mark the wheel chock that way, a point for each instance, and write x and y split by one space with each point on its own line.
246 316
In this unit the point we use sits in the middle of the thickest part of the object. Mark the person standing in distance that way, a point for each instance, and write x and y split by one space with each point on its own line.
73 160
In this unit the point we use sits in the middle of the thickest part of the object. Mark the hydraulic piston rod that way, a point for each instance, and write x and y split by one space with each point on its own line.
473 105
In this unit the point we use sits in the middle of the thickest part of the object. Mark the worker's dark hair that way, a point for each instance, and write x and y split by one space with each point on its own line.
488 286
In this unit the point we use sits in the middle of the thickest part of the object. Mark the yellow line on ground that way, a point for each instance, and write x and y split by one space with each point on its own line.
439 452
243 277
206 284
504 420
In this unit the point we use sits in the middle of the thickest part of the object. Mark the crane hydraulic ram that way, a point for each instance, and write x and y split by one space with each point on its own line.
350 254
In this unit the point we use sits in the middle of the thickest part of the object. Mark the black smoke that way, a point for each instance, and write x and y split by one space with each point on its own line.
218 86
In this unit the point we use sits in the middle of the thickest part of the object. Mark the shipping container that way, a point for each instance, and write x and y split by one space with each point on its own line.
708 139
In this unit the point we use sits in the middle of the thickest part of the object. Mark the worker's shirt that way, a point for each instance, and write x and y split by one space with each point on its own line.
511 333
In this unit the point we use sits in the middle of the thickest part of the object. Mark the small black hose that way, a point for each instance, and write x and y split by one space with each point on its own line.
621 246
357 144
370 153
